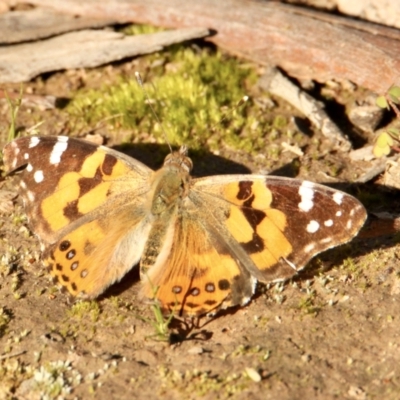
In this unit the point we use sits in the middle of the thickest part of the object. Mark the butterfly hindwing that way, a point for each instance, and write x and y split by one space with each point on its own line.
199 275
98 253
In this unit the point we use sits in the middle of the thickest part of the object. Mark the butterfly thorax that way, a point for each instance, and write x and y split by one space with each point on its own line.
171 183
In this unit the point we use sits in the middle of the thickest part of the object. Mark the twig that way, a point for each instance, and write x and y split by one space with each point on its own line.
377 168
5 356
276 83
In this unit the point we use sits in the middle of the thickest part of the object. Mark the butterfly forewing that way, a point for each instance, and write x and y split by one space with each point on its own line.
65 179
281 223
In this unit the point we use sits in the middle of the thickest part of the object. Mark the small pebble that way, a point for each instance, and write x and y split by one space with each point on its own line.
196 350
253 374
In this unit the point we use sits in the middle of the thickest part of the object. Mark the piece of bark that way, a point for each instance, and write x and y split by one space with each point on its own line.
82 49
276 83
39 23
305 43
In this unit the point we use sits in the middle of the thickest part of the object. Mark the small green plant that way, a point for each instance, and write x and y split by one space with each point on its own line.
55 380
160 322
307 305
14 108
84 309
5 318
388 140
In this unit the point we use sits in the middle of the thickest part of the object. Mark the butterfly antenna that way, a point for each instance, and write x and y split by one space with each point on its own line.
231 110
140 82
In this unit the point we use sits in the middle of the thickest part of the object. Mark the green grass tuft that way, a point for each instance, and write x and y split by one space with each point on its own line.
195 93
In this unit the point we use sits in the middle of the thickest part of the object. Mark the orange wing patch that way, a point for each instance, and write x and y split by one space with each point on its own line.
67 260
80 192
256 226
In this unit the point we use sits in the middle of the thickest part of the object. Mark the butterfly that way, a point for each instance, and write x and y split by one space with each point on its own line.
201 243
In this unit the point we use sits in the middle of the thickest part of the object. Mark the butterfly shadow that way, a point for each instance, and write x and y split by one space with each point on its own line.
193 328
187 329
127 282
205 163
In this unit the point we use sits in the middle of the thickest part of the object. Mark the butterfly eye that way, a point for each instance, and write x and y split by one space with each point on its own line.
187 164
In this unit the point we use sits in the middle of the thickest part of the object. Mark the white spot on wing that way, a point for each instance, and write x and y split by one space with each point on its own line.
38 176
58 150
326 240
338 213
349 224
26 156
30 196
338 198
309 247
22 184
290 263
328 222
312 226
34 141
29 168
306 193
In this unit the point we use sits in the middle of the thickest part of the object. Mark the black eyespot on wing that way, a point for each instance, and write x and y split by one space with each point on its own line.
74 265
177 289
224 284
64 245
71 254
194 291
210 287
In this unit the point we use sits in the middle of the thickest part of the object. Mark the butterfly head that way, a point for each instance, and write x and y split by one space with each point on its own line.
179 160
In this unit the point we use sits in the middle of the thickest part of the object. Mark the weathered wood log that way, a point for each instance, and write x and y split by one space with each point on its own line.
39 23
87 48
310 45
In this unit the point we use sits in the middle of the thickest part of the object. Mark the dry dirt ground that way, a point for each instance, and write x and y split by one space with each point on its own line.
332 333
